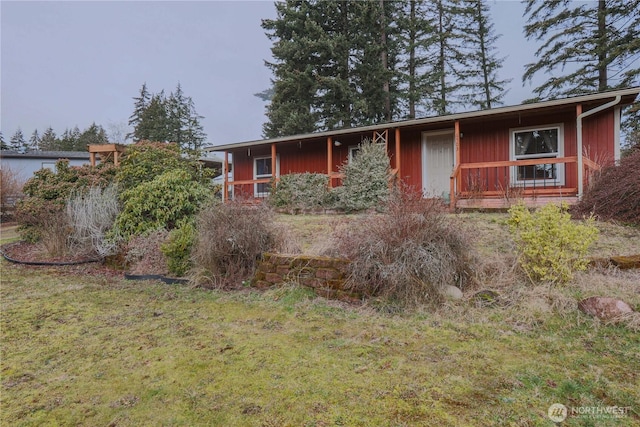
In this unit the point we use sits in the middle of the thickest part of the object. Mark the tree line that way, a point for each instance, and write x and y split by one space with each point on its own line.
340 64
155 117
69 140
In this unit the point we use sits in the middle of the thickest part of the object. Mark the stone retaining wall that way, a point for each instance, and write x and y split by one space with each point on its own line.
323 274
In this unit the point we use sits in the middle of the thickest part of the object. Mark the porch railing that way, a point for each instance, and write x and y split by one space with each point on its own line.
496 179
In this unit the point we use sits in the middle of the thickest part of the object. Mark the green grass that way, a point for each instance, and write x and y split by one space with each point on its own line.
83 350
91 350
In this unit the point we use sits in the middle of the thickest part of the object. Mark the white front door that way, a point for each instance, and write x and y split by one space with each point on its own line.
437 163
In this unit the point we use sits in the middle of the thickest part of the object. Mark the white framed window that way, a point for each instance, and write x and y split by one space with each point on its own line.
49 165
353 152
544 142
262 168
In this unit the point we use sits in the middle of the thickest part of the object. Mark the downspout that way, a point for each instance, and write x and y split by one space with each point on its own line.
579 118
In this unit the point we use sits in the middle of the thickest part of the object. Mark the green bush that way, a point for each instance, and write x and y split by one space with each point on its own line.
177 248
161 203
41 214
144 161
301 191
551 246
366 179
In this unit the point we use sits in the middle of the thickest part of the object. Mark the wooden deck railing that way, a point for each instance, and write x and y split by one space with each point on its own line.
494 179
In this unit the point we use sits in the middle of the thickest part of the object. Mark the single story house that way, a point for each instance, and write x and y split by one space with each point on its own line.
538 152
25 164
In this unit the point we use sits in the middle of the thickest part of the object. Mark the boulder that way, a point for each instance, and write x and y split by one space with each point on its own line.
452 292
604 308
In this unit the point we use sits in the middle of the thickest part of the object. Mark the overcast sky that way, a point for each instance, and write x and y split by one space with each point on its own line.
76 62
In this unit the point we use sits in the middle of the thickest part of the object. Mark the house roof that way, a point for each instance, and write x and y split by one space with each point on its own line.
11 154
628 96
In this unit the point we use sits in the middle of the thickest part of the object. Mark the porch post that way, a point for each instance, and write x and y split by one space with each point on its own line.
330 160
398 153
225 172
92 158
456 148
579 150
274 164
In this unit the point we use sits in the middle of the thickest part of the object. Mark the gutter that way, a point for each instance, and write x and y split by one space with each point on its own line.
581 116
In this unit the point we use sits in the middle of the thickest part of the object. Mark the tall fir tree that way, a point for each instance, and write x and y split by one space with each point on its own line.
482 87
139 107
68 141
17 141
93 135
3 143
161 119
586 46
34 140
48 140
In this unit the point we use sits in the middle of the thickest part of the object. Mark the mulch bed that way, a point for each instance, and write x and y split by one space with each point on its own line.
24 252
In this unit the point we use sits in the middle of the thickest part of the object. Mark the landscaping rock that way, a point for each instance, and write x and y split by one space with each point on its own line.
604 308
626 262
452 292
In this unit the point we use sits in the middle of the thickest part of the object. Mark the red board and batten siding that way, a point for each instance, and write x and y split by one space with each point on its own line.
482 141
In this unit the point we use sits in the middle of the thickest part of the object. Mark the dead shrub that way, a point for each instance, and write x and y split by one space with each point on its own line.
230 239
407 254
143 254
615 193
10 191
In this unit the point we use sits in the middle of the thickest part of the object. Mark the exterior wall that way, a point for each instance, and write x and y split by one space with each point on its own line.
25 167
482 140
598 137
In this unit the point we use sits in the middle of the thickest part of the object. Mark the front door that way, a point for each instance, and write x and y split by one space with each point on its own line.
437 163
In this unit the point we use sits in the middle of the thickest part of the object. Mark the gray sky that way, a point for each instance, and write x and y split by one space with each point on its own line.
76 62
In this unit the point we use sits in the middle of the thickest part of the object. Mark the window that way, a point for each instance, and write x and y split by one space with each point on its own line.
261 170
538 143
353 152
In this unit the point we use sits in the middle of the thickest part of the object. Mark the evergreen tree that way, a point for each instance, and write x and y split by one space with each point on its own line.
417 36
483 89
586 46
48 140
68 141
3 144
17 141
34 140
295 33
139 107
161 119
93 135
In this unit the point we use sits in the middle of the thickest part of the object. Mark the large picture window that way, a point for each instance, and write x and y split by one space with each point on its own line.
538 143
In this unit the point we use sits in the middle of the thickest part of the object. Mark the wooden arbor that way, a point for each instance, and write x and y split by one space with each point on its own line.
106 151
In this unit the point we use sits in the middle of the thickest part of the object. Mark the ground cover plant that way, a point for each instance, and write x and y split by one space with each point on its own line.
82 348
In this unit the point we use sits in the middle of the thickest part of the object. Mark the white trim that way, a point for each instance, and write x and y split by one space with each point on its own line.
423 154
560 171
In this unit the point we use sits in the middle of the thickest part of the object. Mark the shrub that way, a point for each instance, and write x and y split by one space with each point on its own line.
10 191
301 191
143 254
92 213
615 194
41 214
178 247
230 238
366 178
161 203
407 254
550 246
144 161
